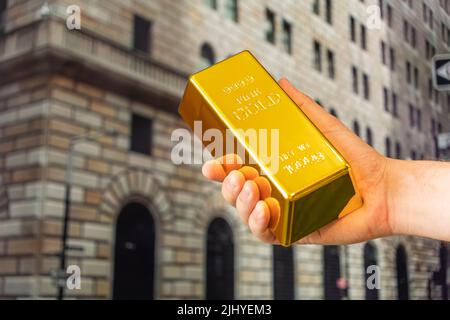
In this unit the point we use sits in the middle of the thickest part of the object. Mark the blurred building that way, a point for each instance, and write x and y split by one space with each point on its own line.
142 227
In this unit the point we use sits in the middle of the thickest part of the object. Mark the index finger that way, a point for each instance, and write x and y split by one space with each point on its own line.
219 168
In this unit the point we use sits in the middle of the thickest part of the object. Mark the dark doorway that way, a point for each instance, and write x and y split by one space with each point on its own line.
219 261
283 273
332 272
370 259
402 273
134 259
443 258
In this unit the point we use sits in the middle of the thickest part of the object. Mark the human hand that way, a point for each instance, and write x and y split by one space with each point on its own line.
250 193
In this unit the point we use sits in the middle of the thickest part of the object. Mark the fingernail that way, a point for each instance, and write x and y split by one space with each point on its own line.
246 192
234 183
260 216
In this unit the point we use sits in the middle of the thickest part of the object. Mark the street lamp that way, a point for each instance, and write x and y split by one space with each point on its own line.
67 201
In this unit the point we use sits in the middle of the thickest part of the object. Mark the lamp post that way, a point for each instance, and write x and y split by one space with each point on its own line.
67 201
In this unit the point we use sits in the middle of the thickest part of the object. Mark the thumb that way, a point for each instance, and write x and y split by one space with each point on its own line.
334 130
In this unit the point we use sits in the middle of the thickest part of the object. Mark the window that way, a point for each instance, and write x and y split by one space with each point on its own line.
219 261
369 136
317 56
211 3
448 37
316 7
431 20
430 88
355 85
448 103
142 37
381 6
386 99
283 273
329 11
430 50
287 37
408 72
370 259
356 129
366 86
270 26
383 52
387 145
394 105
2 15
207 56
416 78
398 150
352 29
363 37
141 134
333 112
392 58
443 31
231 10
419 119
402 273
405 31
413 37
412 118
390 15
443 270
332 272
331 70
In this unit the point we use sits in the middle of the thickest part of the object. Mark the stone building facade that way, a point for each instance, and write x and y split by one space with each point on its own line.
57 83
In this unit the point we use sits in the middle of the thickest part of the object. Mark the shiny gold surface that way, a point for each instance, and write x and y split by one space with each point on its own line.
239 94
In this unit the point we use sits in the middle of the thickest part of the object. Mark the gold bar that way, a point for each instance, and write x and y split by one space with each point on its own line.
310 179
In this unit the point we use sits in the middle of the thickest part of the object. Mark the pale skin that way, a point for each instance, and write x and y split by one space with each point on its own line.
400 197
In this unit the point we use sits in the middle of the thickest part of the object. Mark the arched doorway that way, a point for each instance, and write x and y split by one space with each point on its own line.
402 273
370 259
219 261
134 254
332 272
283 273
443 261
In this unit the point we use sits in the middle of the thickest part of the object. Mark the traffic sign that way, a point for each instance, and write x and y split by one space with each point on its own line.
441 72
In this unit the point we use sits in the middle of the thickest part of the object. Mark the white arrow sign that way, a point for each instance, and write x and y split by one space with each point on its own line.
441 72
444 71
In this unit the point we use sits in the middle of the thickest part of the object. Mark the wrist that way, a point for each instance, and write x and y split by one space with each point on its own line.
398 179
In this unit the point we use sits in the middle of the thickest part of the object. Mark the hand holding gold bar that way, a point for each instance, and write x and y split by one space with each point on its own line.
312 182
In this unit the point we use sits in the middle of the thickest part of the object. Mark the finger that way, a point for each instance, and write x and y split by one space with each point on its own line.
232 186
247 200
213 170
274 207
230 162
218 169
353 228
249 172
259 222
264 187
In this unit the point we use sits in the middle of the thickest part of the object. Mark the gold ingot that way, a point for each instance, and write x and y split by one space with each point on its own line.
312 181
